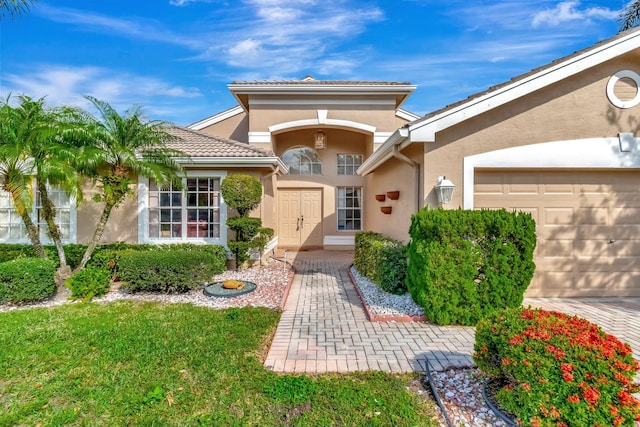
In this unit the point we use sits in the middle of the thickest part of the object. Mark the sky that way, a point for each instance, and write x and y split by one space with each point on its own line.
175 58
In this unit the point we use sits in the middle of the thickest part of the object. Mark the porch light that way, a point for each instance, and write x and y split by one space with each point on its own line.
321 140
444 190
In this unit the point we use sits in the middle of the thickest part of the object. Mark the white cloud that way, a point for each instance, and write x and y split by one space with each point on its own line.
135 28
569 11
65 85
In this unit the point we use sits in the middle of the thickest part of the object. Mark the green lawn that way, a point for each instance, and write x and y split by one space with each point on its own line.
151 364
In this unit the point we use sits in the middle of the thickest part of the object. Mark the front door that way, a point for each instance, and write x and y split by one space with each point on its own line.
300 217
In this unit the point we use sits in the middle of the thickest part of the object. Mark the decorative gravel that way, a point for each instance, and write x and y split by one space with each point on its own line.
460 391
384 303
272 280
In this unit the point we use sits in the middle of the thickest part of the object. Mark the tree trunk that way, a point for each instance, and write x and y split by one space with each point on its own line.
97 235
53 231
34 235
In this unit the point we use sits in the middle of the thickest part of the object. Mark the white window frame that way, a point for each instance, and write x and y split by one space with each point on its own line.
338 208
143 213
352 165
73 223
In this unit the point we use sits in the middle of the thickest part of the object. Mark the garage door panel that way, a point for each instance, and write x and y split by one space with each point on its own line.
623 284
592 215
625 215
558 216
577 213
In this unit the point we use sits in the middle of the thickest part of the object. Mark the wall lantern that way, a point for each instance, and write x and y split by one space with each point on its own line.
444 190
321 140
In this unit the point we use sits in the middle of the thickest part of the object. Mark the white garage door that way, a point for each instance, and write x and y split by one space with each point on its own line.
587 222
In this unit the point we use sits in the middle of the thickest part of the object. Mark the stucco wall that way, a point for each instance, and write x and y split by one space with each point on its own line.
572 109
395 175
235 127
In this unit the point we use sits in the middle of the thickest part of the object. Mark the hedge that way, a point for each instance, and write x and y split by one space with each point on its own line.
170 270
26 280
463 264
382 260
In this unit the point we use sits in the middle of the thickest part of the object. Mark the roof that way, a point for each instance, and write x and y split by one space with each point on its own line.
203 148
310 81
309 86
426 128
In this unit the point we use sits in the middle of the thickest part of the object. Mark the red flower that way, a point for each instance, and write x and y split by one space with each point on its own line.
591 395
574 398
568 377
516 340
526 386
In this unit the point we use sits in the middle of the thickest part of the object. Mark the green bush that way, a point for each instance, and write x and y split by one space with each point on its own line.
26 280
557 370
170 270
382 260
241 192
464 264
89 283
9 252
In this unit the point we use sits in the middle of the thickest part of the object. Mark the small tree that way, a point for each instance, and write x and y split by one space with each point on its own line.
243 193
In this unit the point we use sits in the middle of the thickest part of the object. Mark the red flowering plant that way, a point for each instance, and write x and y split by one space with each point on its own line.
557 370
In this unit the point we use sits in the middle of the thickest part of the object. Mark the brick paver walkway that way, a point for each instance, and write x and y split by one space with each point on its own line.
324 328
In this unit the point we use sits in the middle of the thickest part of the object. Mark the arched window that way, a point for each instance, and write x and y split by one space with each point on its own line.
302 161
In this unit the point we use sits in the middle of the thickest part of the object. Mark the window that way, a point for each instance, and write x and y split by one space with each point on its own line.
192 213
302 161
349 163
12 228
349 208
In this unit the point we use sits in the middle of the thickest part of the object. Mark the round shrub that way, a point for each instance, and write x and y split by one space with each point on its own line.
89 282
27 280
168 271
242 192
557 370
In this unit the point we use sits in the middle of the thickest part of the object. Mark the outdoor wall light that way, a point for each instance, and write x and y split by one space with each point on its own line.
444 190
321 140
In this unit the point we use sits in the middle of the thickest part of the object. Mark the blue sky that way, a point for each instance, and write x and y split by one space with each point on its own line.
176 57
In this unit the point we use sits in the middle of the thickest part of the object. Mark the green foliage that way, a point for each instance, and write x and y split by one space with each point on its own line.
149 364
382 260
241 192
168 270
245 227
89 283
294 389
463 264
557 369
26 280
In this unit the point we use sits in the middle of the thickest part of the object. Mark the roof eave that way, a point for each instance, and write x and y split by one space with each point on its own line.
398 138
271 162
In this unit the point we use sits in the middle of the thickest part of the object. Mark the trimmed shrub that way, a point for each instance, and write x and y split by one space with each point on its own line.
9 252
382 260
242 192
89 282
557 370
463 265
26 280
170 270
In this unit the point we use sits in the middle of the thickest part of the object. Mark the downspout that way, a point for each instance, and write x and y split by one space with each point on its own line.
416 171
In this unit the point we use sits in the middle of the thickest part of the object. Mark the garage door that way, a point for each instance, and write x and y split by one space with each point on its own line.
587 222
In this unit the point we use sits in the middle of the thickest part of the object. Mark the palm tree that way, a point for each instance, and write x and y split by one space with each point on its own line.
34 145
127 146
630 16
14 8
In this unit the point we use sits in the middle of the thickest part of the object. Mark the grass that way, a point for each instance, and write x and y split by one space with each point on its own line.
150 364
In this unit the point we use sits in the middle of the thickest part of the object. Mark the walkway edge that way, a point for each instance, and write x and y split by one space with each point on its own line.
382 317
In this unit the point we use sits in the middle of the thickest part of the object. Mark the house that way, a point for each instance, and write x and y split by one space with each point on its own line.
558 142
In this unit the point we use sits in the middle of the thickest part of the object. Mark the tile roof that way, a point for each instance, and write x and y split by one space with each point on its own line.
310 81
198 144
